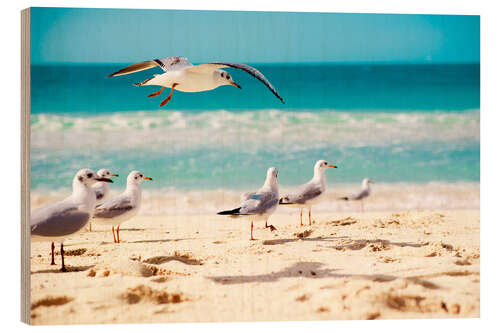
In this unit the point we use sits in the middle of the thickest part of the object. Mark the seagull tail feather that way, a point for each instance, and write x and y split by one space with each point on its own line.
235 211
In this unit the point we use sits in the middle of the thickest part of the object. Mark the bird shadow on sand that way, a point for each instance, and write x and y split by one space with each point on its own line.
69 269
132 229
315 270
159 240
310 270
305 239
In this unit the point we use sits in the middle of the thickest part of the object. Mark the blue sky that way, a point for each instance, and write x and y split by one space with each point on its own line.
122 36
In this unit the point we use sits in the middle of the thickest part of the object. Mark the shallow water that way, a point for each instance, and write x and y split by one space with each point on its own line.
414 124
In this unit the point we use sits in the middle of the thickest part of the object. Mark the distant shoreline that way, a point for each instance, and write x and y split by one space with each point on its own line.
385 197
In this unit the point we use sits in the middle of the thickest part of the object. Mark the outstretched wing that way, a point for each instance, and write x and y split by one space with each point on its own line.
210 67
167 64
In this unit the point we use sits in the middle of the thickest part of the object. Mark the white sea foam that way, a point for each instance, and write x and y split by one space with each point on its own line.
287 129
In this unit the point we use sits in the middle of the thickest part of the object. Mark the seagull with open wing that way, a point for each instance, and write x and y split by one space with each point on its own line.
182 75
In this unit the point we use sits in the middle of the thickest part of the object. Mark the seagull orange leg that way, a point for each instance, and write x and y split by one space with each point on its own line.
52 248
113 230
156 93
251 232
170 95
118 234
309 216
301 217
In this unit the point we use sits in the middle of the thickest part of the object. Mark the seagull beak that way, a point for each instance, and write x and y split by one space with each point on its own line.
114 175
102 179
235 84
148 178
332 166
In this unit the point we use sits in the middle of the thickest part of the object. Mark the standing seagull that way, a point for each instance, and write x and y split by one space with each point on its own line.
123 207
364 193
310 193
182 75
64 218
102 188
259 205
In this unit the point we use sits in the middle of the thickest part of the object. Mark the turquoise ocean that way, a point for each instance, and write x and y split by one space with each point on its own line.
397 124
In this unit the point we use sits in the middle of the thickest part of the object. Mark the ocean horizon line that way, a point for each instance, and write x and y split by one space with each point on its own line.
283 64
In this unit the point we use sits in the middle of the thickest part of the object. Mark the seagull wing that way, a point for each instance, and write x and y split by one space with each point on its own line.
113 207
305 193
248 195
60 219
167 64
361 195
211 67
259 203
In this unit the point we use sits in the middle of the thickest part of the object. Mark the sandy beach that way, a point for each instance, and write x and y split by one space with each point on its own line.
203 268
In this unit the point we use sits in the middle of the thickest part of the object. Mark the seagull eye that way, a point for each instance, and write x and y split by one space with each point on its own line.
221 74
89 175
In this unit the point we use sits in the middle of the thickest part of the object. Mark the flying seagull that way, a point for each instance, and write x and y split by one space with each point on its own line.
66 217
123 207
364 193
182 75
258 205
101 189
310 193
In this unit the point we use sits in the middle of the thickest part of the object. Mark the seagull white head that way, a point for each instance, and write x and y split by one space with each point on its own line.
88 178
367 181
136 177
272 176
104 173
321 166
224 79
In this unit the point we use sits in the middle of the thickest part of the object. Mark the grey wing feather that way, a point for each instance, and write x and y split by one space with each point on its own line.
361 195
173 63
255 73
259 203
57 220
304 193
113 207
167 64
247 196
141 66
